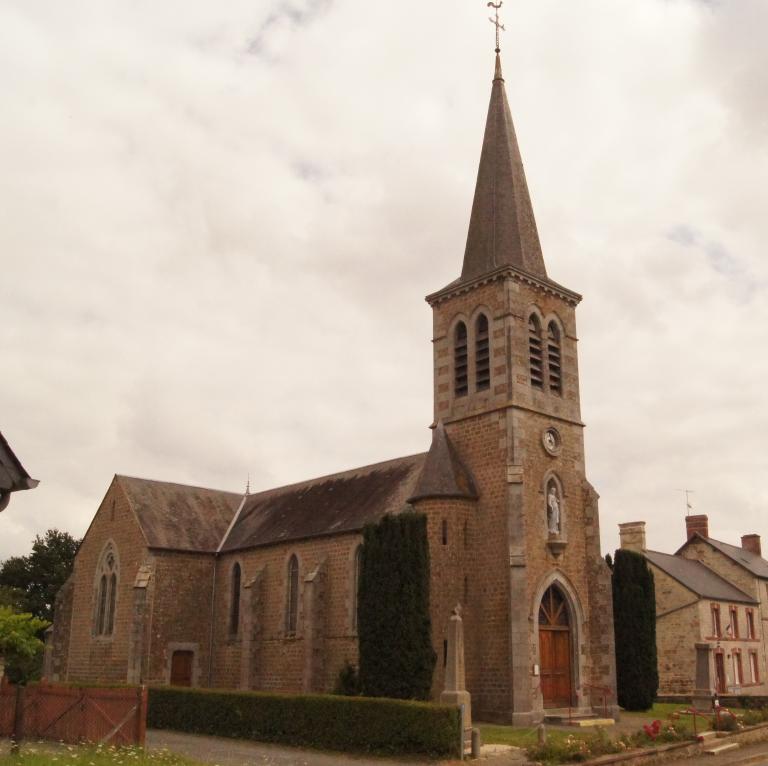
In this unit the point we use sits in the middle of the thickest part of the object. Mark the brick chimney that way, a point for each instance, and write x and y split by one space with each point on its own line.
632 535
751 543
694 524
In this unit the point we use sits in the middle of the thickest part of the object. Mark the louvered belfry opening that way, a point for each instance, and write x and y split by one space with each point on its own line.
482 354
461 369
554 359
535 352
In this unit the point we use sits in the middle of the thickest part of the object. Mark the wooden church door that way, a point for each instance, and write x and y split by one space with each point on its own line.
181 668
555 650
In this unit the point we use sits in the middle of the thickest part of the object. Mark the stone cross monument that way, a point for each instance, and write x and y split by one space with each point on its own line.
455 682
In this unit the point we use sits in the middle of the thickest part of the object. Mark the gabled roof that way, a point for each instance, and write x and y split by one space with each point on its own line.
443 475
13 477
178 517
335 504
697 578
502 228
755 564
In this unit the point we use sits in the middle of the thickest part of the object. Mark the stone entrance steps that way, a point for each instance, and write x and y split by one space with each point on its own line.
577 717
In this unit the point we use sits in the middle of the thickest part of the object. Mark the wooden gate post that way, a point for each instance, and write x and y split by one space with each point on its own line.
141 716
18 720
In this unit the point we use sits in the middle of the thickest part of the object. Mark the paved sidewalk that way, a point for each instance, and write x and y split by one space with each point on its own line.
229 752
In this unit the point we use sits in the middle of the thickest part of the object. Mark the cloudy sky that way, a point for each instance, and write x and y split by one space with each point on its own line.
218 222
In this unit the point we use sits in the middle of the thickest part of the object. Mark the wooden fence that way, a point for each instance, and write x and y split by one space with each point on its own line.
72 714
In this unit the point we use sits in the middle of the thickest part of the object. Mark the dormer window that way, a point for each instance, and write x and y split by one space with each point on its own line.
460 364
482 354
535 352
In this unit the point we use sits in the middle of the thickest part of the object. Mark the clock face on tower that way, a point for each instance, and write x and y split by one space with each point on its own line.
551 441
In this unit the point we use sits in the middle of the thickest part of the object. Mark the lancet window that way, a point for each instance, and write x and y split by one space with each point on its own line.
234 606
460 360
357 569
535 356
554 359
482 354
292 600
106 594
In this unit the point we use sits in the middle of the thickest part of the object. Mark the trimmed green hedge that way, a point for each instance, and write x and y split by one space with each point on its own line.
350 724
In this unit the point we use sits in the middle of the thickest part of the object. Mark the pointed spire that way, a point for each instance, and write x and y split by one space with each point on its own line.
443 474
502 229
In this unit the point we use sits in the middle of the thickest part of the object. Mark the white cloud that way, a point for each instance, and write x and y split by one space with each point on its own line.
218 223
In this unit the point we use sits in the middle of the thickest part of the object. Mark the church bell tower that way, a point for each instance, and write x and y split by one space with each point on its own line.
535 590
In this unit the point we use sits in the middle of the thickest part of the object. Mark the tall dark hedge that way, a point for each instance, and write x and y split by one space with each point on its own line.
351 724
396 655
634 621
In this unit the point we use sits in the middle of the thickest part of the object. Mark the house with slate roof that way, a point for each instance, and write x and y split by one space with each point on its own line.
13 476
198 587
711 607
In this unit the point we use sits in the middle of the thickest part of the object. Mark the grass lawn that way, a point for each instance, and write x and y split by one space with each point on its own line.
44 754
493 734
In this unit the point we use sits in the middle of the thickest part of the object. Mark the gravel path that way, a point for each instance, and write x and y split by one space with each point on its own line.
228 752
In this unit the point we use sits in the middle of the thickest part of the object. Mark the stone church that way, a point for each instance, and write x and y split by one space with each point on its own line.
188 586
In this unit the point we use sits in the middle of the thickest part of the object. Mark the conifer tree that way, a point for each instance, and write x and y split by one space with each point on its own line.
394 628
634 619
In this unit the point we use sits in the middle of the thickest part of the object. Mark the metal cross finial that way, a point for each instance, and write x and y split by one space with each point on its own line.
499 26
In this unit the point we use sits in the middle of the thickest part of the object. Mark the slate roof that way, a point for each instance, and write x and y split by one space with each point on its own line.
13 476
502 227
697 578
443 475
341 502
179 517
757 565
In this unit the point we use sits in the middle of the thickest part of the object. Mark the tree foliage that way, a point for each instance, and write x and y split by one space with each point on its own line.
396 655
30 583
20 647
634 619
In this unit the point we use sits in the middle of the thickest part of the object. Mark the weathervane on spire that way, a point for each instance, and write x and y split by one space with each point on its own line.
499 26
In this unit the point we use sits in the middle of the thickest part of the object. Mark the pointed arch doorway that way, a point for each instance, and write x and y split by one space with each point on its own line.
555 649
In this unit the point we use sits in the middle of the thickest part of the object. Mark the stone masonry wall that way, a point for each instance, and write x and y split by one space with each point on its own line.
498 434
104 659
699 550
180 617
678 628
282 658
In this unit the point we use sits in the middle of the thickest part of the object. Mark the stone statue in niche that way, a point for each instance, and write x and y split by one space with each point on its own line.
553 510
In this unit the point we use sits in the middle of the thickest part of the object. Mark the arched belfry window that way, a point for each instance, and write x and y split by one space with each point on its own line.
482 354
554 359
460 360
106 593
292 600
535 355
234 604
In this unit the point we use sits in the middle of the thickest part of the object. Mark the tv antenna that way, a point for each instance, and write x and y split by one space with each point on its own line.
687 493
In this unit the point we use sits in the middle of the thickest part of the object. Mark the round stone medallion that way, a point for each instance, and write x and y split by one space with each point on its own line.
551 441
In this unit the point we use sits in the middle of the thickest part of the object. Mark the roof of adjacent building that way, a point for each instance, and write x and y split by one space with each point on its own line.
502 227
757 565
179 517
13 476
698 578
336 504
